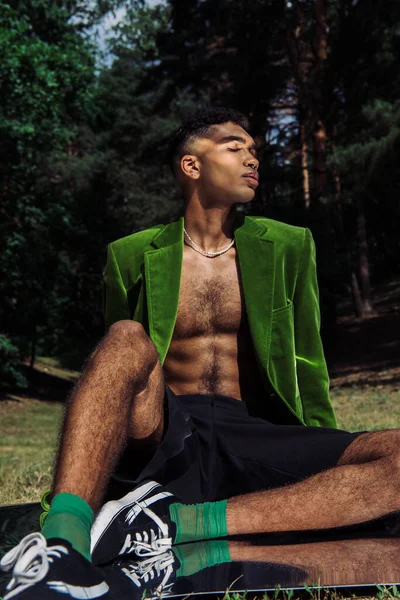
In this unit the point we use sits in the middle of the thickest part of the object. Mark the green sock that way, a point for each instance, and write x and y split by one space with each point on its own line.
198 555
199 521
70 518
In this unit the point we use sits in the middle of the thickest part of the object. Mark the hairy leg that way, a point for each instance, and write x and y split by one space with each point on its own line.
364 485
119 394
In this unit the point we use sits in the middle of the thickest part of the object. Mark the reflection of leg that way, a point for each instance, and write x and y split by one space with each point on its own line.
346 562
344 495
342 562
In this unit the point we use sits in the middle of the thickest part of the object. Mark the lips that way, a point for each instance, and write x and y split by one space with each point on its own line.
252 178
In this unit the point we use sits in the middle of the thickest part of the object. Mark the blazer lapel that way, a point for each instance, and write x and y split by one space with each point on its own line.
257 268
163 268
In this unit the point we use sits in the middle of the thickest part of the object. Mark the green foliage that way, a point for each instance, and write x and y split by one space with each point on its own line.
132 129
56 73
10 371
377 141
386 592
46 76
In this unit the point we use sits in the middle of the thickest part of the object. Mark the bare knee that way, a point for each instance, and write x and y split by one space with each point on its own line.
373 445
132 336
127 347
127 331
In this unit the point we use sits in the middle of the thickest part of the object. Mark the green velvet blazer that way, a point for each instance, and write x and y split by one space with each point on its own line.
278 272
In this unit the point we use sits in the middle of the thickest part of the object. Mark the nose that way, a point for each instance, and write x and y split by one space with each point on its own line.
251 161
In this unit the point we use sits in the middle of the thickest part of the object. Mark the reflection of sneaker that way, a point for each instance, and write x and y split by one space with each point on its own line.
154 575
41 571
138 523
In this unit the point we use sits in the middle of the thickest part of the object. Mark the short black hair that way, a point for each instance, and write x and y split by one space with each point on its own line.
198 125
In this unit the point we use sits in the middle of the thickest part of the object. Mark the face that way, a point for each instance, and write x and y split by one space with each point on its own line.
224 165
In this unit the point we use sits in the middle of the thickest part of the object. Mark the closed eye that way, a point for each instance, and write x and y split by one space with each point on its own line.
252 151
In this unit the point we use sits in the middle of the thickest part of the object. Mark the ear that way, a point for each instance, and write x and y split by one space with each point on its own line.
190 166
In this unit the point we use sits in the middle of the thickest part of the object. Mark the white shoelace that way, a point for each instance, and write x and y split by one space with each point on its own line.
29 562
149 568
155 544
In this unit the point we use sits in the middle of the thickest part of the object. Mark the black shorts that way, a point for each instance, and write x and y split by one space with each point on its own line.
213 449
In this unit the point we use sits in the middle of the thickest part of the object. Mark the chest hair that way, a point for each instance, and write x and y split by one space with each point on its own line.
209 305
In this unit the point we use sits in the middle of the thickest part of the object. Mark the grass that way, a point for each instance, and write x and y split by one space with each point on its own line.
28 432
316 593
363 407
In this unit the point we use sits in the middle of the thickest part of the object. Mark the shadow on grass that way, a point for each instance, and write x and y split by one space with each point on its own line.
370 346
393 382
46 386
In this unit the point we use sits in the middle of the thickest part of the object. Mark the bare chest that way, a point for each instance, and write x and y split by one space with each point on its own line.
211 298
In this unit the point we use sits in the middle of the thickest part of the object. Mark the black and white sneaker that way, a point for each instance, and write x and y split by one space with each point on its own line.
44 570
151 577
129 525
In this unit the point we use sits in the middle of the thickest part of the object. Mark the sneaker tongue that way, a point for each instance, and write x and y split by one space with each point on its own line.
172 530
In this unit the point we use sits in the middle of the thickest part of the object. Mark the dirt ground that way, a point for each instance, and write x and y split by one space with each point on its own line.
367 352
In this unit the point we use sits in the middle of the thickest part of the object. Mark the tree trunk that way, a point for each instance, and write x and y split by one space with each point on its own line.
335 170
304 165
319 153
321 29
356 295
320 136
33 347
351 274
363 272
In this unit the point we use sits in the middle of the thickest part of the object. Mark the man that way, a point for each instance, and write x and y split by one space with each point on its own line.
210 368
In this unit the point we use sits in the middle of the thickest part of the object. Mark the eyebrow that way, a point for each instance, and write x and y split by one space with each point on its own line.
235 138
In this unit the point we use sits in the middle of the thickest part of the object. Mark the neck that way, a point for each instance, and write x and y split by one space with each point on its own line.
211 229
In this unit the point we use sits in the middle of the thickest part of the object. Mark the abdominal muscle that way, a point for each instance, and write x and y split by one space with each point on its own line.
212 365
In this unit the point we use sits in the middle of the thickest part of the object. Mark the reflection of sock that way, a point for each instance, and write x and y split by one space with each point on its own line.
198 555
199 521
70 518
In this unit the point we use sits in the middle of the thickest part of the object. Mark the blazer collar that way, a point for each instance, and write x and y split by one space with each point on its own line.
172 233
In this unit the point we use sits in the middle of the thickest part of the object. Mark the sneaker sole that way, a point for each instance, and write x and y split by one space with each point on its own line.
113 508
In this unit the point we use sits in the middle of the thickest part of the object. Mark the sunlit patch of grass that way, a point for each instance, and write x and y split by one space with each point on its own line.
360 408
28 438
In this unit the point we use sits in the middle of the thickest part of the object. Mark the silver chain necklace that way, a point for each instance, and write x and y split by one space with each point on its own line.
205 252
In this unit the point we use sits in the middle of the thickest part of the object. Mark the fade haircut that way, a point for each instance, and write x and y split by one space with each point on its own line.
200 125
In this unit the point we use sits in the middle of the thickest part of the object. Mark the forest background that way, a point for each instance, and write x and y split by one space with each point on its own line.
84 126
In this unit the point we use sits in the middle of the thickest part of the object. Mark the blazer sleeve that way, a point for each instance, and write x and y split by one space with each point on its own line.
312 372
115 297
